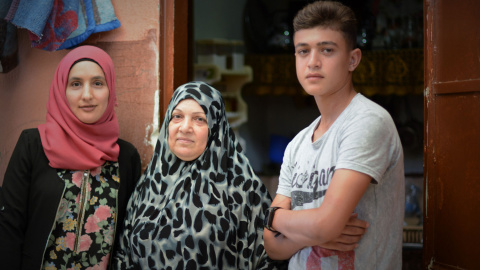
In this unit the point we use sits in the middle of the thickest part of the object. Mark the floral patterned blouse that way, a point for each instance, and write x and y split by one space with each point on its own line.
82 236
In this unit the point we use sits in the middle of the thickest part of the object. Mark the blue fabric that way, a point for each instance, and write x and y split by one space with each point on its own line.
60 24
62 21
30 15
49 23
94 16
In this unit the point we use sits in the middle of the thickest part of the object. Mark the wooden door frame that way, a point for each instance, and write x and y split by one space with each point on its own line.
428 157
174 53
452 128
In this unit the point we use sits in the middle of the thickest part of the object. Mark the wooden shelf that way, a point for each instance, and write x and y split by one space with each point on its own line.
230 84
381 72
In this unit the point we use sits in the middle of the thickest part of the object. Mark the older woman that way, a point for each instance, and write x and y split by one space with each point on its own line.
199 204
68 181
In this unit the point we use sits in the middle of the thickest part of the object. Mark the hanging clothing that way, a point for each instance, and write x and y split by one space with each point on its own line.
8 40
203 214
94 16
61 24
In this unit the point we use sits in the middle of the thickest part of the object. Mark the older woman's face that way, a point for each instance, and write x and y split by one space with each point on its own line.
188 130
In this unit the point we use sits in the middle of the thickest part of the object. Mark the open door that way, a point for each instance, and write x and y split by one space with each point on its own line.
452 134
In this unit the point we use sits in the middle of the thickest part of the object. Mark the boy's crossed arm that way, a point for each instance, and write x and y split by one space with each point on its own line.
331 226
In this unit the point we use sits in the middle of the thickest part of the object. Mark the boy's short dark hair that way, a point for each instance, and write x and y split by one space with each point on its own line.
328 14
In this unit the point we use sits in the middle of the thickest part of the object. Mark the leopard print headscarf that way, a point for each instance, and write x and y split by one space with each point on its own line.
202 214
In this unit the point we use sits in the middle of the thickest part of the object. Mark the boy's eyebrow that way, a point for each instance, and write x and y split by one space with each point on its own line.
327 43
318 44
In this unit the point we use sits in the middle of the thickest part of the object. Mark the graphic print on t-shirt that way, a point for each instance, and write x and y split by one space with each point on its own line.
307 188
341 260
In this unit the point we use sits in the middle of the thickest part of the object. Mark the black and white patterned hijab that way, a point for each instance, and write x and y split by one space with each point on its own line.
202 214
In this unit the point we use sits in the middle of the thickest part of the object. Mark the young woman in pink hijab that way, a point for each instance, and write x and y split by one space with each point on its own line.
68 181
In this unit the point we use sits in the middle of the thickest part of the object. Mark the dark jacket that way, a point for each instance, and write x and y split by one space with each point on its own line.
31 194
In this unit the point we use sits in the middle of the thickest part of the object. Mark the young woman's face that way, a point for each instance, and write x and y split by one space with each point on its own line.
87 91
188 130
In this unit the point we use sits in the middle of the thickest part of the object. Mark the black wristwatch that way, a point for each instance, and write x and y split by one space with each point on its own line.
268 220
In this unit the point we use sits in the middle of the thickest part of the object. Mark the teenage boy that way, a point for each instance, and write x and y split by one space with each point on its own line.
349 160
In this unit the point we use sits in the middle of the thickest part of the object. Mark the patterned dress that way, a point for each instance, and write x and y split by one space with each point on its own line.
82 236
202 214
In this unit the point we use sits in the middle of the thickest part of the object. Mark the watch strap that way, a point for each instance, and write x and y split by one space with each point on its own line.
269 218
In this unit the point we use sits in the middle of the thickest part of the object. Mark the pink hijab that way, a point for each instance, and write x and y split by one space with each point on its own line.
69 143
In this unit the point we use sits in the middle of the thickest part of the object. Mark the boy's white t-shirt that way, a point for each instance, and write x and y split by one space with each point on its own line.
365 139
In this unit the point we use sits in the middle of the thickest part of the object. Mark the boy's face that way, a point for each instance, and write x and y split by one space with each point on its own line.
323 62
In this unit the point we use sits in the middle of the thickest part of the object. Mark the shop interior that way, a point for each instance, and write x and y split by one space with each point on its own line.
244 48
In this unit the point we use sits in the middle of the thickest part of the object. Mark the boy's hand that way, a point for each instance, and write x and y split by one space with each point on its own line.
351 235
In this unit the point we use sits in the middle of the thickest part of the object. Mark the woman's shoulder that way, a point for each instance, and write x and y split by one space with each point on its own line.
29 144
31 133
129 157
125 144
30 136
126 147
